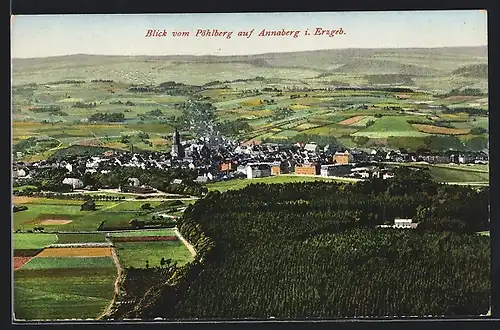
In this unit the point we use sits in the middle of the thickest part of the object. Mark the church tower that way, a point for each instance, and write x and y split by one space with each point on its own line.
177 149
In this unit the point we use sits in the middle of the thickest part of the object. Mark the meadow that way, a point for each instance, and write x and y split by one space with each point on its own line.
236 184
455 173
40 210
62 293
135 254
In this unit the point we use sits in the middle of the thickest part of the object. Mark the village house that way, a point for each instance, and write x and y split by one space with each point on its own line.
305 170
342 157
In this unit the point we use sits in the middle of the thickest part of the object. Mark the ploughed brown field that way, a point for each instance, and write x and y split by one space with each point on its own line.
440 130
21 261
351 120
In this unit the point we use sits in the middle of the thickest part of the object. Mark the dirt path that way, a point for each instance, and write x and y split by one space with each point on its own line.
188 245
116 290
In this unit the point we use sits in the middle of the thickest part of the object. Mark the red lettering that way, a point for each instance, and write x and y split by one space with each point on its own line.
149 33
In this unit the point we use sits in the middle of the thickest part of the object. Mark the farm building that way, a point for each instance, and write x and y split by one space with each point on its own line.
275 170
343 157
89 205
73 182
258 170
335 170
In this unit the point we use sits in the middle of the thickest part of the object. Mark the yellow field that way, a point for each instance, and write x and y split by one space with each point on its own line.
23 199
299 106
76 252
159 142
251 103
115 145
440 130
258 113
305 126
451 116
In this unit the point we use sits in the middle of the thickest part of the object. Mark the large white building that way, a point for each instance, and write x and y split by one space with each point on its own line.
335 170
73 182
258 170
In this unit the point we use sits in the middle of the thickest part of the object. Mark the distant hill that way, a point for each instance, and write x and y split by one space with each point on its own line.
376 66
474 70
288 65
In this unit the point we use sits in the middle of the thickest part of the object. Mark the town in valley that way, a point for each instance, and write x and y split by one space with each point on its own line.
275 185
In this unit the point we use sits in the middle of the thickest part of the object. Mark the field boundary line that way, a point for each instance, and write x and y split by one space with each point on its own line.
119 271
188 245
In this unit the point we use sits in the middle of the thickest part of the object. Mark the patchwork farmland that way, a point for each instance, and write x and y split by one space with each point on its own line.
263 250
68 272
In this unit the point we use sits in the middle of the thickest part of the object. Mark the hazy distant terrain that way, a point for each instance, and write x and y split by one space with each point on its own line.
358 97
302 67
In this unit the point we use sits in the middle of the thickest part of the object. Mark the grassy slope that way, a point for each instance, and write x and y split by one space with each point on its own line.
135 254
451 173
389 126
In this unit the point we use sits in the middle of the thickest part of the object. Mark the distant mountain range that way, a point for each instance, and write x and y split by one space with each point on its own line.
469 62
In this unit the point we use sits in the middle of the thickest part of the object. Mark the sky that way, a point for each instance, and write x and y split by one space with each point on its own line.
55 35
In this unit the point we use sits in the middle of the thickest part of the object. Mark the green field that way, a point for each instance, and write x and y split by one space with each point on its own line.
135 254
242 183
54 294
133 205
389 126
68 262
452 173
81 238
33 240
139 233
43 209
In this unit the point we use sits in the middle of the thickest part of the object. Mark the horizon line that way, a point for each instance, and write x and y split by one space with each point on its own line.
236 55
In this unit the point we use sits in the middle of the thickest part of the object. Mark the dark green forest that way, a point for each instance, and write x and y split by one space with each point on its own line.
301 250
